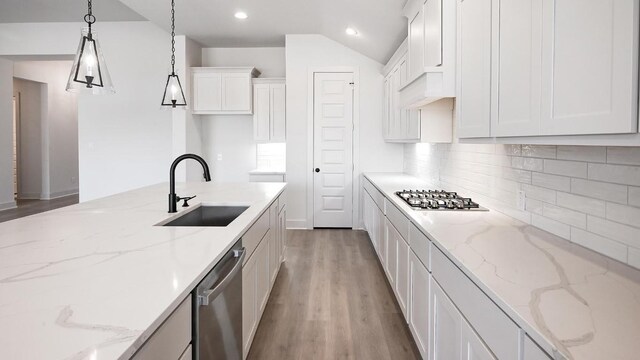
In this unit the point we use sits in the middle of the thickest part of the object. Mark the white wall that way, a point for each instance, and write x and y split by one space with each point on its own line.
6 133
589 195
124 139
312 51
59 126
269 60
232 136
32 105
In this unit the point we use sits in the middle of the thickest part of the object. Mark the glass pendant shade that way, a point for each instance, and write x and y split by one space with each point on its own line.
89 73
173 94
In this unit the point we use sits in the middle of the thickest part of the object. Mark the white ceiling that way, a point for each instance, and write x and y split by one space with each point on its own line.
212 24
26 11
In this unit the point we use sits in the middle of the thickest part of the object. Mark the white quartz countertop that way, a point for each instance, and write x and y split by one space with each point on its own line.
265 171
94 280
569 299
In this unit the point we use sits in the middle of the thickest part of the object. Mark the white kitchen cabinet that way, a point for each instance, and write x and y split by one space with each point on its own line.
419 300
518 79
445 326
391 259
223 91
415 54
402 276
249 303
589 67
269 118
432 33
532 351
473 102
552 71
274 241
282 233
171 340
263 273
472 346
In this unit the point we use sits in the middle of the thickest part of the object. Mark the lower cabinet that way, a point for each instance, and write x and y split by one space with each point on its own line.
260 271
391 264
472 346
419 298
402 276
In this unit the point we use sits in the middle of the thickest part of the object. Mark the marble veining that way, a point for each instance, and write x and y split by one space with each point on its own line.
575 303
94 280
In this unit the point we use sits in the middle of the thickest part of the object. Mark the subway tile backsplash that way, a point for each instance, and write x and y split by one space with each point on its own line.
589 195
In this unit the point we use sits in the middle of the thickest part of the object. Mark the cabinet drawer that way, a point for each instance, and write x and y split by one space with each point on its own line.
252 237
421 245
377 197
172 337
398 219
494 327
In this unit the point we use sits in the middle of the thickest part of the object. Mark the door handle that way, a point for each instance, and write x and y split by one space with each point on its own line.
317 169
209 295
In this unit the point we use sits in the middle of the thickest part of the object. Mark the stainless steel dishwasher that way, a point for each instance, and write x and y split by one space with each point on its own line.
217 315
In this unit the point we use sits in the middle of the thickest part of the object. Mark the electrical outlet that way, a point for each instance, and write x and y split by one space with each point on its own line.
219 157
522 200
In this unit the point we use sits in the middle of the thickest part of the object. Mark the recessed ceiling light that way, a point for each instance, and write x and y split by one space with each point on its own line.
241 15
351 31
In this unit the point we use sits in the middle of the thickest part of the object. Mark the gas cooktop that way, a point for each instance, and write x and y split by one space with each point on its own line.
439 200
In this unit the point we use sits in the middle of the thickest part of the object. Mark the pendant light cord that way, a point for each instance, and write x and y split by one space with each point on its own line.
89 18
173 37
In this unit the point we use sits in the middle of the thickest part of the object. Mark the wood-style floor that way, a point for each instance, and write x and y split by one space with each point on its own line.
331 300
31 207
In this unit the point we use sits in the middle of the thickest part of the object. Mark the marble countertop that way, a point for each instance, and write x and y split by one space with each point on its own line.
571 300
94 280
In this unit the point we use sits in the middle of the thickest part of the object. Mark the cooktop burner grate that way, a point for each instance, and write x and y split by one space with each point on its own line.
438 200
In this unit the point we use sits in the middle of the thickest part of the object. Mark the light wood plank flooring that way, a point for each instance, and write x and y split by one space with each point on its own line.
331 300
31 207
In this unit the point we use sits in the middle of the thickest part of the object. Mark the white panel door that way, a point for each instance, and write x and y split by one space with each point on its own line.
278 113
519 77
419 304
207 92
445 326
472 346
236 92
590 63
261 107
333 150
433 33
474 68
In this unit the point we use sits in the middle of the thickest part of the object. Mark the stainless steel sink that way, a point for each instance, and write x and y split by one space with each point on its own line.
206 215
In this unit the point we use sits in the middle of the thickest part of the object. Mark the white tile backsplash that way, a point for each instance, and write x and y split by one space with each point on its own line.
589 195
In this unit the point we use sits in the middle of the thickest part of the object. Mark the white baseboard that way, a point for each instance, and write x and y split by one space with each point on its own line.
297 224
8 205
60 194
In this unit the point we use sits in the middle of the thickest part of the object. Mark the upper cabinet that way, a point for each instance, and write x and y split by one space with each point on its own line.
224 91
429 123
269 116
553 70
431 59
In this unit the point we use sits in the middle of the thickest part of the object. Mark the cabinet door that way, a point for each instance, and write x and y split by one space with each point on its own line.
472 346
249 303
283 233
274 256
473 104
261 112
374 226
391 265
263 274
278 113
415 57
207 92
236 92
366 213
385 107
402 276
433 33
382 238
519 75
397 116
532 351
445 326
589 69
413 124
419 304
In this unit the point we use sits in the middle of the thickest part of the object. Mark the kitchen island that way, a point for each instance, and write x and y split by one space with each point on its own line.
95 280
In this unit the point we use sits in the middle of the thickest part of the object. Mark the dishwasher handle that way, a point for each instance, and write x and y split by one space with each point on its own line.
209 295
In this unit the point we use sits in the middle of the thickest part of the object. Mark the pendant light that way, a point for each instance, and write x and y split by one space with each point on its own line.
89 73
173 94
